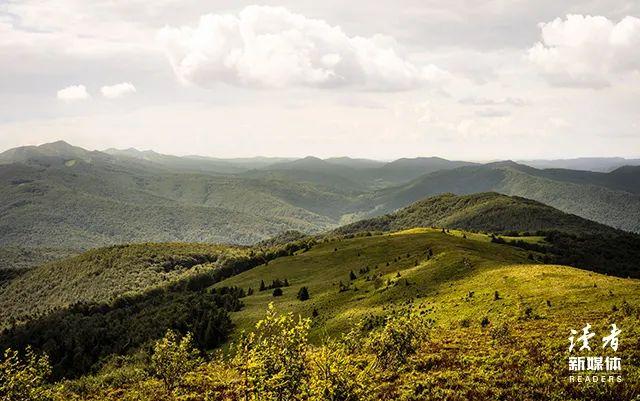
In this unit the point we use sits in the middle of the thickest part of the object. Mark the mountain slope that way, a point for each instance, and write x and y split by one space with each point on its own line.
619 209
76 199
496 324
407 169
424 267
489 212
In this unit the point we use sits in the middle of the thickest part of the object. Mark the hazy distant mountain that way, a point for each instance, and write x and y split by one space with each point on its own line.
600 164
49 153
333 176
404 170
61 196
355 163
198 163
359 175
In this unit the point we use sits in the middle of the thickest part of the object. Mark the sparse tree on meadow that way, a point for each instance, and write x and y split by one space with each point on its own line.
303 294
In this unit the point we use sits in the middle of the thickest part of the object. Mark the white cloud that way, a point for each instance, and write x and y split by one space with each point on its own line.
117 90
273 47
587 50
482 101
73 92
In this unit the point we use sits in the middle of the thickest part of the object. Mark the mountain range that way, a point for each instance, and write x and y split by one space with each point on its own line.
61 196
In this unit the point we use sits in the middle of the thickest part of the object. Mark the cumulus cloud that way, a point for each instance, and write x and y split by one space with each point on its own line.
73 92
481 101
272 47
117 90
587 50
492 113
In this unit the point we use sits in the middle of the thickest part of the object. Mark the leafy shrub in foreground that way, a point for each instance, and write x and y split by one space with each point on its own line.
272 358
173 357
23 378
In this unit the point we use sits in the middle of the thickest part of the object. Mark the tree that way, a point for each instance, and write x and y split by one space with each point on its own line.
23 378
352 275
262 286
303 294
173 357
277 292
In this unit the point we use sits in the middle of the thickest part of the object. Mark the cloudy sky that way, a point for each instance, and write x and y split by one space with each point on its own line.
462 79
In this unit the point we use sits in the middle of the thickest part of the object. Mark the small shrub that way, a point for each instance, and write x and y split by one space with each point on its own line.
501 333
277 292
24 378
397 340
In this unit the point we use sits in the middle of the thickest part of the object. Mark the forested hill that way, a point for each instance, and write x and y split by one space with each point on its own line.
59 196
610 198
487 212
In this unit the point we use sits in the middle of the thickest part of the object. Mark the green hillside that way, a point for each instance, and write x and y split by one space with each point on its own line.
22 258
78 202
488 211
103 274
587 199
490 310
392 269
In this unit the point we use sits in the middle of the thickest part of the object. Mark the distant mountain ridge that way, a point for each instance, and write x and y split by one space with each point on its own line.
596 164
610 199
61 196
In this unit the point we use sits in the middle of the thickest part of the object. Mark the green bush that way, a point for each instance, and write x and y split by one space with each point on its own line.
173 357
22 378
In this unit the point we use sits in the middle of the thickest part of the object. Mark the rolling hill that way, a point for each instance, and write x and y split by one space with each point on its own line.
407 169
429 267
488 212
581 196
60 196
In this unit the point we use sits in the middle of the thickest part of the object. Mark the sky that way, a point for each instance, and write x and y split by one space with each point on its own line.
461 79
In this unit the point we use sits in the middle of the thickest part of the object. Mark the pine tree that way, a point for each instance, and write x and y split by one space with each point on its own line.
303 294
352 275
262 286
